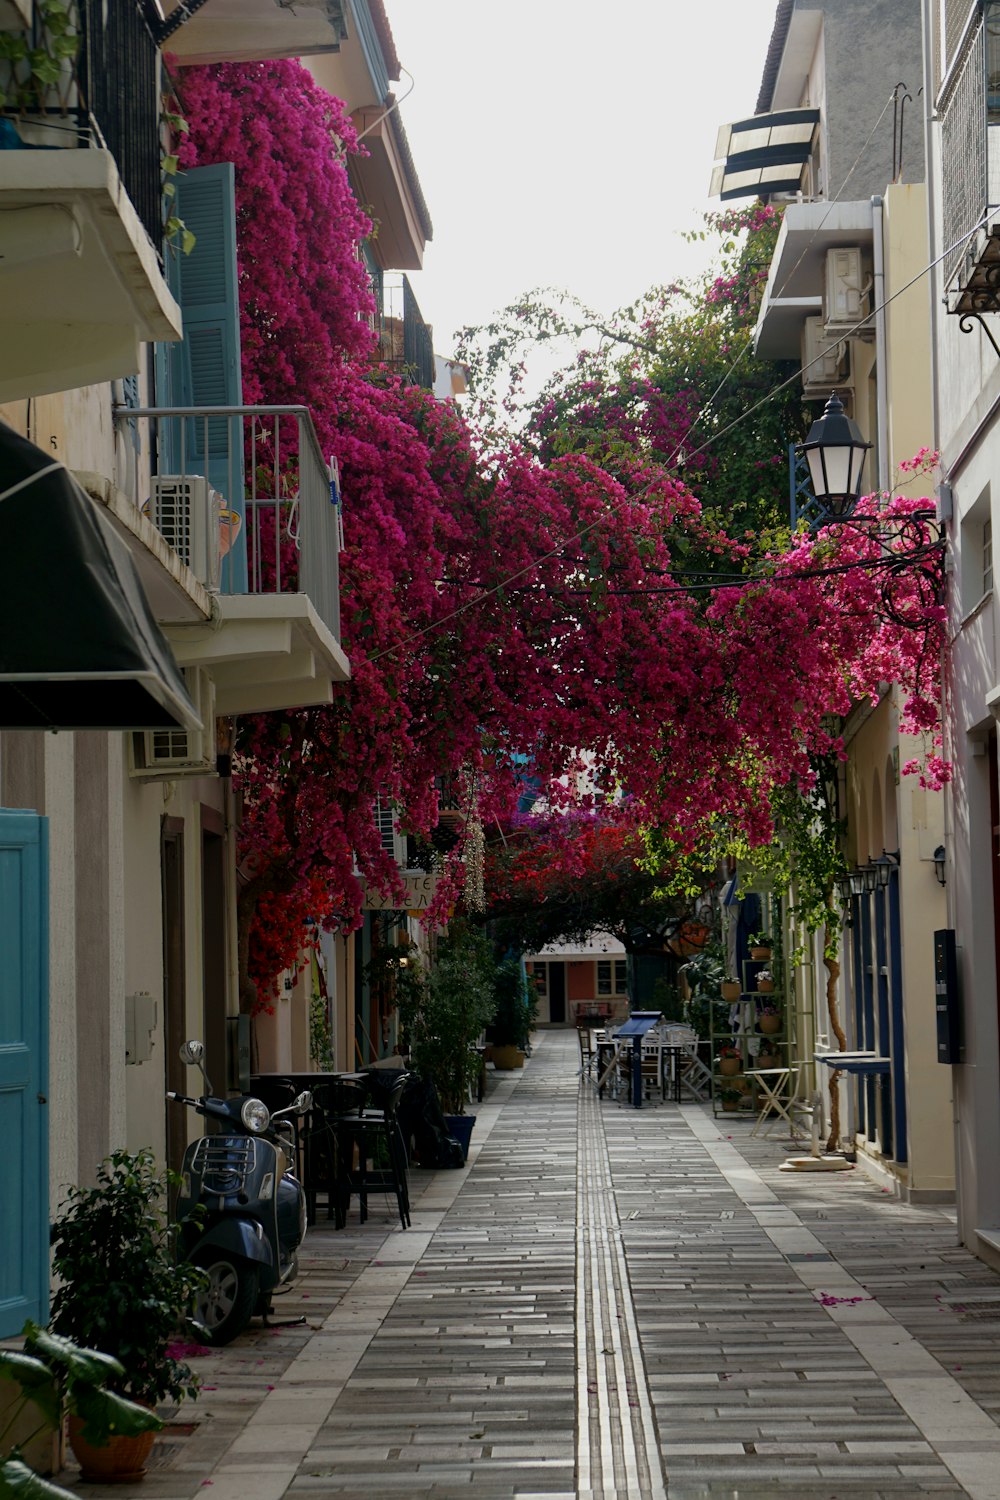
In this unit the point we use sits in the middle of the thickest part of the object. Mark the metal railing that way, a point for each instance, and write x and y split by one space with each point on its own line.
103 94
262 475
404 342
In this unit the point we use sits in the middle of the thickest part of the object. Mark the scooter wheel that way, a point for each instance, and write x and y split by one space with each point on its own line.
226 1305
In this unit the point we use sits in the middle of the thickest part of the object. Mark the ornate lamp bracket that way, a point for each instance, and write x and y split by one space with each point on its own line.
965 325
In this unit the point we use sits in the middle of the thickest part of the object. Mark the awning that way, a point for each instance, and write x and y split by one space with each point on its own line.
764 154
79 646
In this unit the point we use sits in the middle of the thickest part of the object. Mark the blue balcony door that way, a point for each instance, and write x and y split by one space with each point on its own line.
24 1002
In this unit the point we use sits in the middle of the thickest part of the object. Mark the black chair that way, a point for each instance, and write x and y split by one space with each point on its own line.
374 1137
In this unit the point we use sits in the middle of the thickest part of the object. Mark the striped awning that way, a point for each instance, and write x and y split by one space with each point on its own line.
764 154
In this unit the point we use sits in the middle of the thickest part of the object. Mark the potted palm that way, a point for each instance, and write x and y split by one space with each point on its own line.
511 1024
122 1291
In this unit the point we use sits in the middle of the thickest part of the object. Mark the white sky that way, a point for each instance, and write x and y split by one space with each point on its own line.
567 142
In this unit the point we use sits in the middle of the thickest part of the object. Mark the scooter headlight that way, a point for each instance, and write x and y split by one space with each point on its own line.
255 1115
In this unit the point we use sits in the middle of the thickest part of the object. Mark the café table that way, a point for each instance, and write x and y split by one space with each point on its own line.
334 1093
777 1091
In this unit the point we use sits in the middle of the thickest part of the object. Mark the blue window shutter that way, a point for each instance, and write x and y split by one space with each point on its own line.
204 369
24 1086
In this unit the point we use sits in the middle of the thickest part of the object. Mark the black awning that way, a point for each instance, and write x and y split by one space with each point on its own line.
764 154
79 647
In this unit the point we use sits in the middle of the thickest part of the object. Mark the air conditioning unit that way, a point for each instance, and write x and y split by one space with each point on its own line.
185 510
168 754
847 295
825 360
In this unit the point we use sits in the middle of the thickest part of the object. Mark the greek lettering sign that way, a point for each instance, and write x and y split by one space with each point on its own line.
418 895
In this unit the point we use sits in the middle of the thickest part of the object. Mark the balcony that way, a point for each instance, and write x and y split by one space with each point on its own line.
797 278
405 345
80 204
970 149
247 504
253 30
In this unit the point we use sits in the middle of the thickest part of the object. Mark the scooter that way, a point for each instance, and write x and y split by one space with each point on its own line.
241 1209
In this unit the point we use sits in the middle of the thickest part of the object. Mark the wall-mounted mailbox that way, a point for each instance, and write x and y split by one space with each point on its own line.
948 1015
140 1027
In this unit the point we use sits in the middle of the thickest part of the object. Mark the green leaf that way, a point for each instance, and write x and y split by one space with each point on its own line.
106 1414
85 1366
169 165
35 1380
18 1482
188 240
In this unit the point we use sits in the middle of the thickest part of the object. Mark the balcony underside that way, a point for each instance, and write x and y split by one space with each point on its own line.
257 30
976 288
81 286
795 281
264 652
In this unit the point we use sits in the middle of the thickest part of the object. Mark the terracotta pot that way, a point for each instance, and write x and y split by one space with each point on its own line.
730 1066
731 989
767 1060
730 1105
761 951
770 1025
765 986
506 1059
122 1460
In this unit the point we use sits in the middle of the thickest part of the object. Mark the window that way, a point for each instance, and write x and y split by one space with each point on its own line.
612 976
987 555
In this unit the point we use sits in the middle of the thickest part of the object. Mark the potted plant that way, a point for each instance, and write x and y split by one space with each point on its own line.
760 946
767 1059
511 1024
769 1019
121 1289
55 1378
443 1016
765 981
731 989
731 1098
730 1061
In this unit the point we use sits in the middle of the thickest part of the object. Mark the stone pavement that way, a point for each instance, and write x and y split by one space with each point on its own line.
610 1302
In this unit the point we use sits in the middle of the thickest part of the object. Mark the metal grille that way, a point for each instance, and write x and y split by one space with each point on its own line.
119 84
964 152
224 1162
956 14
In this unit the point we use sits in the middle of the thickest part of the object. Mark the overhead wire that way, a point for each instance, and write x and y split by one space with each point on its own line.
714 437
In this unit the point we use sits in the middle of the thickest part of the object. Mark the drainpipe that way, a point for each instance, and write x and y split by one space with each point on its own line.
881 364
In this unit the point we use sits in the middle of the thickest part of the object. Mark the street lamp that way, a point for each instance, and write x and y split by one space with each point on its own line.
884 866
835 452
939 870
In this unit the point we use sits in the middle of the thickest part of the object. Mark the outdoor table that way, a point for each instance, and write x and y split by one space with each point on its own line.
771 1081
334 1093
855 1062
638 1025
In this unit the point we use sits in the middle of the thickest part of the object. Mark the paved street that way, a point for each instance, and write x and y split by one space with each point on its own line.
611 1302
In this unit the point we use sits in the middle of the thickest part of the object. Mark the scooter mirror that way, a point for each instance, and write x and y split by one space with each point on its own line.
304 1103
192 1053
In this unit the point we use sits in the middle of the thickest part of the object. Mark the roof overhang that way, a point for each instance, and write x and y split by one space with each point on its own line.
382 181
764 154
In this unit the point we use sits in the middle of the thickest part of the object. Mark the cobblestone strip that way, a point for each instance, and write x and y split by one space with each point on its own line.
617 1449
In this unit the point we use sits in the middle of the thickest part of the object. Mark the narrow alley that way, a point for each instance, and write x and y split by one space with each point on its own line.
611 1302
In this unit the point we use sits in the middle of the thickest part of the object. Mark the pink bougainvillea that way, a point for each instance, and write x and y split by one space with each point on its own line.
538 602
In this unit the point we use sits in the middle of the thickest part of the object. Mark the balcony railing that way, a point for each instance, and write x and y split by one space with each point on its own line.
244 495
404 343
103 93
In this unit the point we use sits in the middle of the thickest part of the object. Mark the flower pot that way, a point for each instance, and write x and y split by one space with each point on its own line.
730 1105
769 1025
122 1460
767 1060
761 951
460 1129
731 989
765 986
506 1058
730 1066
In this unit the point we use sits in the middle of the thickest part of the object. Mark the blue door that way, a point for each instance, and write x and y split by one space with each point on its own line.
24 1002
